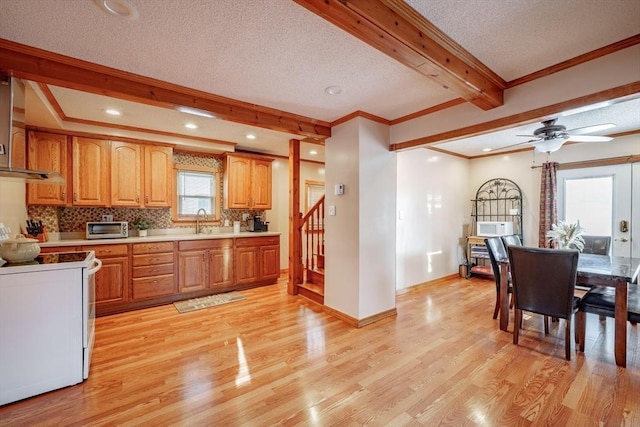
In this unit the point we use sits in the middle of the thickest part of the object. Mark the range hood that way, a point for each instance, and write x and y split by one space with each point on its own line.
12 115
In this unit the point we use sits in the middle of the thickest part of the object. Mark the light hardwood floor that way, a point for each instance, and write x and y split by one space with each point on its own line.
276 359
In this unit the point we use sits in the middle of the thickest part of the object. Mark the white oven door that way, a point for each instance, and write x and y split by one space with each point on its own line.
89 312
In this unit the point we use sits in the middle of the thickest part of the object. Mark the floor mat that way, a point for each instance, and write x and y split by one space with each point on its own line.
208 301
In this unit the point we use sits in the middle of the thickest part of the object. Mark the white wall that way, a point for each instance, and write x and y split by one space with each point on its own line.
433 211
434 201
13 208
360 238
517 167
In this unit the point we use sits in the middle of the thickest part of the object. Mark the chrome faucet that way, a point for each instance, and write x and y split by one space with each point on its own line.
198 230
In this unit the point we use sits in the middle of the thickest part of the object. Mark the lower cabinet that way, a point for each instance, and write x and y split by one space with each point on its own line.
192 269
112 280
138 275
153 270
221 264
205 264
257 259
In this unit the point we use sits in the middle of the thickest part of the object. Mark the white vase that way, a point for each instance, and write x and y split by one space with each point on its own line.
142 233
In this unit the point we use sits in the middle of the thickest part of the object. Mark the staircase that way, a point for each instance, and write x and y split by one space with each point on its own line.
313 244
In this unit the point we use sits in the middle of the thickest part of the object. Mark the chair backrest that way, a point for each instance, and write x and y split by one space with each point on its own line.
598 245
497 252
543 280
511 240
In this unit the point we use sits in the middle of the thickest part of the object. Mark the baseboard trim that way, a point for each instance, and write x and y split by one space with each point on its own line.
359 323
421 286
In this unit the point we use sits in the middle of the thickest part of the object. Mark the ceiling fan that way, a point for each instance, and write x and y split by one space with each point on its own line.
551 136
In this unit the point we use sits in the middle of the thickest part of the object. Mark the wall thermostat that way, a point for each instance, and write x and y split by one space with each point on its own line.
339 189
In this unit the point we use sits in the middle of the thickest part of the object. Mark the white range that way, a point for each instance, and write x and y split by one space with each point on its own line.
47 314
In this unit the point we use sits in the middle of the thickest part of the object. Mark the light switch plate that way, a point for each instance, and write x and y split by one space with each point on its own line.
332 210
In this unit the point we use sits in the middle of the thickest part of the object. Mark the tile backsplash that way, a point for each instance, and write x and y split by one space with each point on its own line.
74 219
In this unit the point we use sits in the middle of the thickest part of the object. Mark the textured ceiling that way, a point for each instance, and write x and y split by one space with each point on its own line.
518 37
277 54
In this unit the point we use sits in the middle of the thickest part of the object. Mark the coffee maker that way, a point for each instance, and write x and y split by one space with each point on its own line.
256 224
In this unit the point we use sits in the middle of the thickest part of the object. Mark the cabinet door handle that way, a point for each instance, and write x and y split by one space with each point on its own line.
138 199
146 199
62 196
75 196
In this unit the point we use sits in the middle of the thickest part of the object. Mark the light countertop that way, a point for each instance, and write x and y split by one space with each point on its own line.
155 238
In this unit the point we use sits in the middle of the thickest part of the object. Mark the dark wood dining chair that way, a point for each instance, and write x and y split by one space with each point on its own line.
601 300
511 240
544 282
497 253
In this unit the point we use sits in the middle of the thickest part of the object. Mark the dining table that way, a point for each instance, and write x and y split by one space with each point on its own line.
593 270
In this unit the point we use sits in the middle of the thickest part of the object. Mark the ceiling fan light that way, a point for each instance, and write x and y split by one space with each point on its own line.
549 145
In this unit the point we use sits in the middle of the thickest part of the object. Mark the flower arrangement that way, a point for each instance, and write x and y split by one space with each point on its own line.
567 235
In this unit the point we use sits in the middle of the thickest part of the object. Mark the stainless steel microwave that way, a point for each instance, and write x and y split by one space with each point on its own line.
107 230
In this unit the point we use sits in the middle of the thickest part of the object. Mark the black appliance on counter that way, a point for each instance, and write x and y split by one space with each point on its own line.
256 224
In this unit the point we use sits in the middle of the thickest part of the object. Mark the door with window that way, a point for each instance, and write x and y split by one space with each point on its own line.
604 201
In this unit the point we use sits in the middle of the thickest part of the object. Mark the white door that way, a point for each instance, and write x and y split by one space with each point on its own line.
604 200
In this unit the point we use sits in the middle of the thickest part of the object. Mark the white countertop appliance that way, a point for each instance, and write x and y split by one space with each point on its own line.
47 314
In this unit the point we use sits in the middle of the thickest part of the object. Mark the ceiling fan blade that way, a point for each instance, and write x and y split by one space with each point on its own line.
589 138
516 144
590 129
528 136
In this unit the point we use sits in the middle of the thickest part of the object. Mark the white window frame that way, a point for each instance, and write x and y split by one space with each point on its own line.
216 198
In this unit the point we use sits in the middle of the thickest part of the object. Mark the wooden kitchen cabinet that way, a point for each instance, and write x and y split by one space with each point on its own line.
205 264
221 264
91 167
247 182
126 174
257 259
47 152
141 175
153 270
158 176
112 280
192 267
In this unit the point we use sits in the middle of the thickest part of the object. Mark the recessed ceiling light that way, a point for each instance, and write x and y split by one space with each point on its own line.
195 112
120 8
251 136
112 112
333 90
313 152
486 150
191 125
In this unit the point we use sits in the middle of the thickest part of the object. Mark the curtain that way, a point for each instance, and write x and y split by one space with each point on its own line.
548 202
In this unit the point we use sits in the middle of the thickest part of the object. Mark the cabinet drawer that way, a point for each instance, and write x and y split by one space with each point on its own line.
189 245
104 251
257 241
153 286
152 270
152 259
152 248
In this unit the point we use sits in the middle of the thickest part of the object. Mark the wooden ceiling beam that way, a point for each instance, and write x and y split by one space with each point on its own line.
397 30
47 67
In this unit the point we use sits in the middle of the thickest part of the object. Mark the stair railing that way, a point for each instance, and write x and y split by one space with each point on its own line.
313 226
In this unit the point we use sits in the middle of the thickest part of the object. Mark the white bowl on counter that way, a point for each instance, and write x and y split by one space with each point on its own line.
19 249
